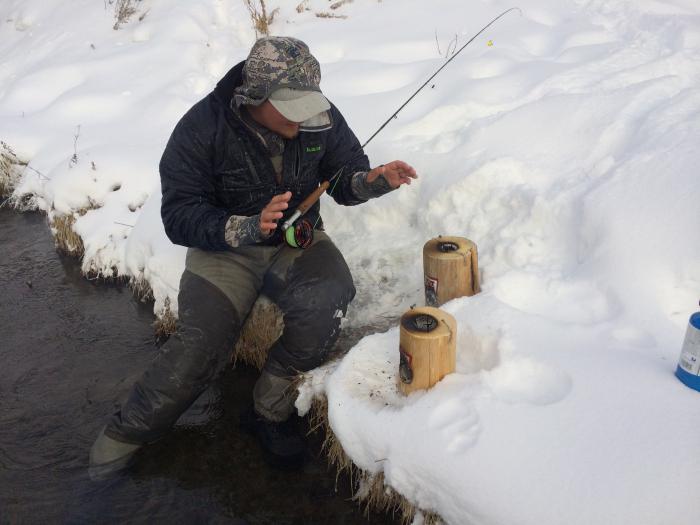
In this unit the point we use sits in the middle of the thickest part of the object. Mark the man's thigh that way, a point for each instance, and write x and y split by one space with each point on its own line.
238 273
291 265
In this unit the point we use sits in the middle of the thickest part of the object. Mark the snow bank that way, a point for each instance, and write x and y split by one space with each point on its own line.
563 142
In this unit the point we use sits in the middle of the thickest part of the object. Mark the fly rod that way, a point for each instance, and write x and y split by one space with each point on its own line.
393 116
316 194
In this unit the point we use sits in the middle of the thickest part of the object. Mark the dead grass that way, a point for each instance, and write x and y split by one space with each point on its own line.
261 19
370 489
123 11
65 238
141 289
261 329
340 3
165 323
10 169
323 14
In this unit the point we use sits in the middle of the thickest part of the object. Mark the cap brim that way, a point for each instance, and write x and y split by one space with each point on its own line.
320 122
310 104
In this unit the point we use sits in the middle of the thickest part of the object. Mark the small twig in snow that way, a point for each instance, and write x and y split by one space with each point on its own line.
340 4
74 158
452 47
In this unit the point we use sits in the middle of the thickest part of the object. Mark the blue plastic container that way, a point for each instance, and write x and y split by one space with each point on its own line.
688 370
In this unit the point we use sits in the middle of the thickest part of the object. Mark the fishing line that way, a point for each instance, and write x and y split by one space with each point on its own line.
337 174
393 116
440 69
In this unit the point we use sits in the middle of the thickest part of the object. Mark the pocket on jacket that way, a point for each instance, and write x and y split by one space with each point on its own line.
241 198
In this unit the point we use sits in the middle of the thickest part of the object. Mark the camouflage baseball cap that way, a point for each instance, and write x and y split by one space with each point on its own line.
282 69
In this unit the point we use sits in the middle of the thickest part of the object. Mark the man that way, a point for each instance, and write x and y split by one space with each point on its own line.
236 166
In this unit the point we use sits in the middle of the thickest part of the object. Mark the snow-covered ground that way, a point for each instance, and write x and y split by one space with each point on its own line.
563 141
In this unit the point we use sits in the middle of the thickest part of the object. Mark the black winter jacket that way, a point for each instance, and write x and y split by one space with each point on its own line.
214 167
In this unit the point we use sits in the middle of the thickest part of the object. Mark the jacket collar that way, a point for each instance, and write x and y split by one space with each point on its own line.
224 88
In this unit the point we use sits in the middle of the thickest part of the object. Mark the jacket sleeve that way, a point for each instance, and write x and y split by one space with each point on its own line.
189 211
344 154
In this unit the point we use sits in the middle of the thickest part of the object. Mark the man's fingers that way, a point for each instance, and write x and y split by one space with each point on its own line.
402 168
268 221
273 211
282 197
270 215
277 206
401 165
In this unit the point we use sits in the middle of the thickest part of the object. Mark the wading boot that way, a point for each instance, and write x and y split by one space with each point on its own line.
281 441
109 456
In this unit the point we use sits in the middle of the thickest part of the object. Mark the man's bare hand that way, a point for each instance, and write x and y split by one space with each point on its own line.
396 173
273 212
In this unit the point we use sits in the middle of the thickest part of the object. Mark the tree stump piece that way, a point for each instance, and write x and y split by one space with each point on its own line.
428 345
450 269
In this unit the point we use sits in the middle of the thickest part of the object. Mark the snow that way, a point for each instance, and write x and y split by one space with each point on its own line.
563 141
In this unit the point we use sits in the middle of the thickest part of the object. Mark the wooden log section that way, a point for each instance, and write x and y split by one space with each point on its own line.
450 269
428 344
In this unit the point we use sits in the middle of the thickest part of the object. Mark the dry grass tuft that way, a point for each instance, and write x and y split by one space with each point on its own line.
261 329
340 3
261 20
65 238
165 323
10 169
370 489
323 14
141 289
123 11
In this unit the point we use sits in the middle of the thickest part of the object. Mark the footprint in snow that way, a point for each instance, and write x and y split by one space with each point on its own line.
458 422
523 379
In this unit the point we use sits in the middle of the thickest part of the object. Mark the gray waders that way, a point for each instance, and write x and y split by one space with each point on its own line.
312 287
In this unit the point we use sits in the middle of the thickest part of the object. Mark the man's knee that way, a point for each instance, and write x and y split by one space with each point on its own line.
311 327
319 281
322 300
319 288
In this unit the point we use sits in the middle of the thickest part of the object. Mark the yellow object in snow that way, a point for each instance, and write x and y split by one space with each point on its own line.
489 43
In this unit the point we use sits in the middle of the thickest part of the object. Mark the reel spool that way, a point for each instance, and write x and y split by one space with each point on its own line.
300 234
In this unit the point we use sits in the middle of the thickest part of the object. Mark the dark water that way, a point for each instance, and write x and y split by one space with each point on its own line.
69 349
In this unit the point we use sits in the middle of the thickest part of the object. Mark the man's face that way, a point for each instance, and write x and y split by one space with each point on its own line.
268 116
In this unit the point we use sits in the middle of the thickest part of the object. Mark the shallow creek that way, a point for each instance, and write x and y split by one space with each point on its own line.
69 349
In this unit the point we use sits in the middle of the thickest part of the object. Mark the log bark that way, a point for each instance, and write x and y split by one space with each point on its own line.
450 269
428 344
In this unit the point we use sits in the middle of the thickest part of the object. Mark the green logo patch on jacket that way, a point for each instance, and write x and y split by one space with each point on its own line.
313 149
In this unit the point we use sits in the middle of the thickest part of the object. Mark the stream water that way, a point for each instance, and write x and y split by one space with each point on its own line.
69 349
